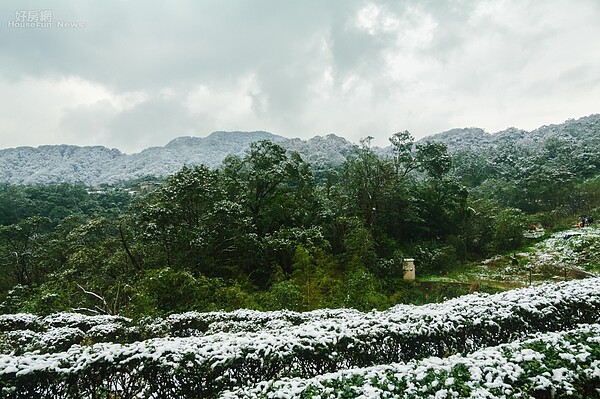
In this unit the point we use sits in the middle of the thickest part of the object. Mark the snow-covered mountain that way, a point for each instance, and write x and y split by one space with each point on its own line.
97 165
584 131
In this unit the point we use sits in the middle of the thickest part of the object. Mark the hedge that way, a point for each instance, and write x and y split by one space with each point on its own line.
206 363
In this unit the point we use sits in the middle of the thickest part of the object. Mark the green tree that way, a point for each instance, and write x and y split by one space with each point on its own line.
472 168
509 225
304 273
359 289
20 244
433 158
191 224
365 180
277 189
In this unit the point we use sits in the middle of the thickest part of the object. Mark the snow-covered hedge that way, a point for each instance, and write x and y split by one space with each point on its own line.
196 324
559 364
26 332
25 321
306 346
19 321
21 333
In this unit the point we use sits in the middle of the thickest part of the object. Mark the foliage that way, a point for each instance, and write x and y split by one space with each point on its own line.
562 365
206 354
262 232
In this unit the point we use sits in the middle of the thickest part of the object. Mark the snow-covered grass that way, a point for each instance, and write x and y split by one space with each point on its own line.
574 250
565 255
202 355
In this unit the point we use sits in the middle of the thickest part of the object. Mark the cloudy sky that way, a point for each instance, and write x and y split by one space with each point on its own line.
136 74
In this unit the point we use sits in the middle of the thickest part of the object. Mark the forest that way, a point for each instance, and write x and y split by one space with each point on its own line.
269 231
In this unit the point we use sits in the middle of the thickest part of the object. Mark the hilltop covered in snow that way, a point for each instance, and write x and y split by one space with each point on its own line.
97 165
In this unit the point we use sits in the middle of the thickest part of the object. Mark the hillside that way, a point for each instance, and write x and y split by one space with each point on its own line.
583 131
563 255
111 295
97 165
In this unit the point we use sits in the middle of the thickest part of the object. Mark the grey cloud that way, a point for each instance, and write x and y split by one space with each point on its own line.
153 122
89 121
150 123
133 45
150 46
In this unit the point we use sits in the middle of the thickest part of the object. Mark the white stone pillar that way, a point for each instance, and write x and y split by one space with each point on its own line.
408 265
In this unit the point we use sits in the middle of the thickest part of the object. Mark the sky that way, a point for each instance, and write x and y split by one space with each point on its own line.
136 74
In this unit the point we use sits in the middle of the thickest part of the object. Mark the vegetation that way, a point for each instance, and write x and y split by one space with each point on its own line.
406 351
262 232
253 279
549 365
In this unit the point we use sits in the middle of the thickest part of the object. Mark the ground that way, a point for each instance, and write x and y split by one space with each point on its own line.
564 255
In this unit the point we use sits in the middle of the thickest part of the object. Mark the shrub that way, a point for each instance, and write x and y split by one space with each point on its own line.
289 344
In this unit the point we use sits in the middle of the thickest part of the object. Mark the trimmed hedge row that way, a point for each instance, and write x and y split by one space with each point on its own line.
204 366
192 324
20 333
564 365
25 321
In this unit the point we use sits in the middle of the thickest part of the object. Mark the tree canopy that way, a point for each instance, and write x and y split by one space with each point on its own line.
262 232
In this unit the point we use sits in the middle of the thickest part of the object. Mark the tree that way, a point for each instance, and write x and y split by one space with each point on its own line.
472 168
508 229
20 245
433 158
183 220
402 150
277 189
365 180
304 273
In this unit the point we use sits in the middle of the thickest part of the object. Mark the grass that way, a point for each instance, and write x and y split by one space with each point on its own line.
561 255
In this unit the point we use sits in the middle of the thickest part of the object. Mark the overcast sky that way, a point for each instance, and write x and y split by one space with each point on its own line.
135 74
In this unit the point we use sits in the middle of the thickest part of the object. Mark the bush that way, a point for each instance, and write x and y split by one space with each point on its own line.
283 295
508 230
564 365
291 344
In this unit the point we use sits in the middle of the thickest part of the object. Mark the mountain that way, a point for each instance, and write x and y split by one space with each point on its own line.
54 163
583 131
211 150
97 165
321 151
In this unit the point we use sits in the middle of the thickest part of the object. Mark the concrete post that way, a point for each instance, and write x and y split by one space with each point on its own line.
408 266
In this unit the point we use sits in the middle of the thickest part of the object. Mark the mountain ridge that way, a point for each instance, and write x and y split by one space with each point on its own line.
95 165
586 128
